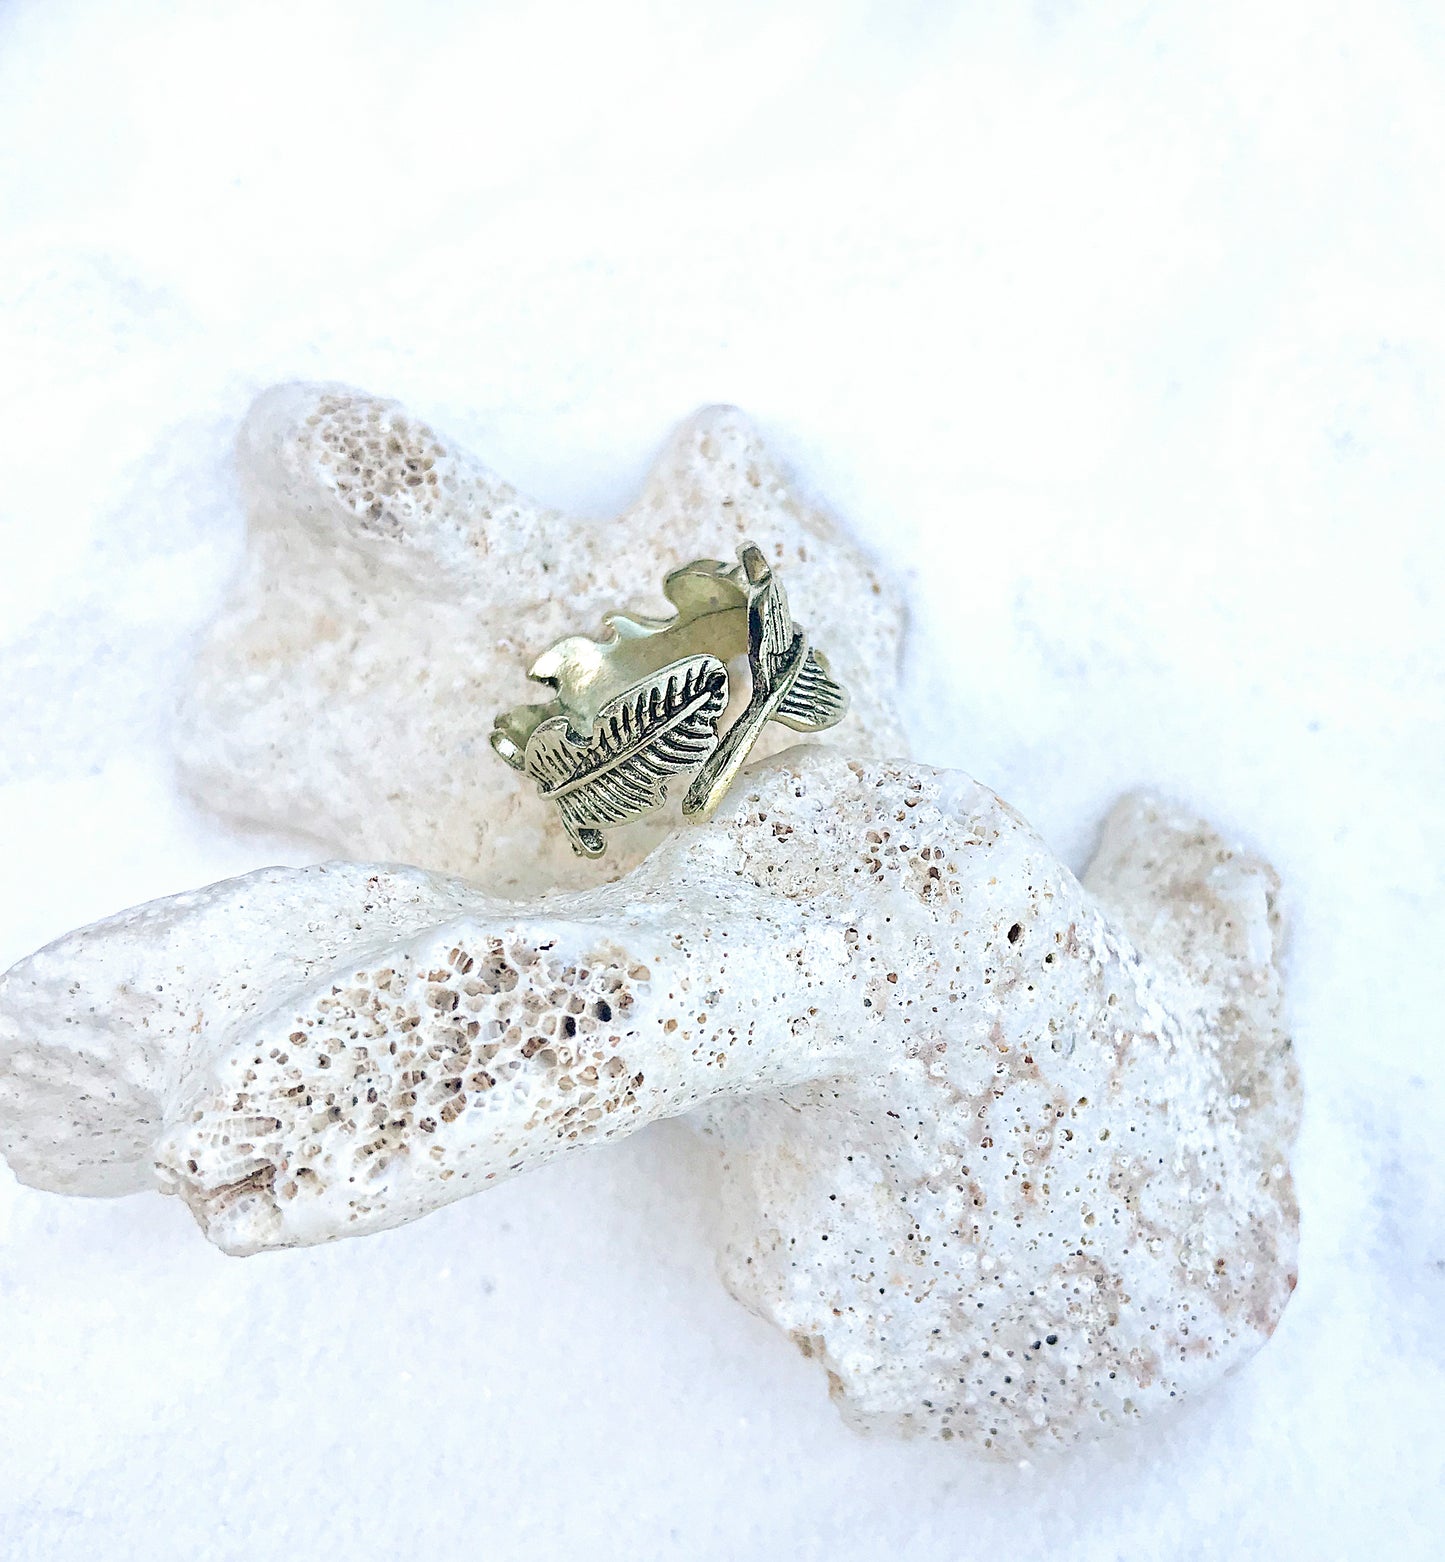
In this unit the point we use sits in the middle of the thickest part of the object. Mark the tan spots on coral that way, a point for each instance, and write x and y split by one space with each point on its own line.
403 1053
382 465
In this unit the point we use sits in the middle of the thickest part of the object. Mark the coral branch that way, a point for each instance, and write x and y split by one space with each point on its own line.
1008 1154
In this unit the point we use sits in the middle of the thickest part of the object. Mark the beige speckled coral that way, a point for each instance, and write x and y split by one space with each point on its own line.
395 591
1007 1153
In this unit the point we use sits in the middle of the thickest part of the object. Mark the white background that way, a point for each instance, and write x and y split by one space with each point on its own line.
1117 329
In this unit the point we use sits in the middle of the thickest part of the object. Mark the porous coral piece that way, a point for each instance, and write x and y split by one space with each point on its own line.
1008 1154
395 592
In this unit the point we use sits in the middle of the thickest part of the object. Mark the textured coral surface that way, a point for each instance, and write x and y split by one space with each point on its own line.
1114 330
395 590
1007 1153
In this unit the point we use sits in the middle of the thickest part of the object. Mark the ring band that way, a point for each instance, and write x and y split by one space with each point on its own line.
634 709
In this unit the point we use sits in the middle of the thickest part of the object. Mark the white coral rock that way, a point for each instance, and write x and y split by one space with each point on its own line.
1007 1153
395 591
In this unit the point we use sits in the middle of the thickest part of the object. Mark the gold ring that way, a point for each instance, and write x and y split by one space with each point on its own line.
632 710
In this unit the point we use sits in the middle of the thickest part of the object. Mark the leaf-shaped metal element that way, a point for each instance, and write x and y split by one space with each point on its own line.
639 740
776 654
584 674
816 700
770 625
641 702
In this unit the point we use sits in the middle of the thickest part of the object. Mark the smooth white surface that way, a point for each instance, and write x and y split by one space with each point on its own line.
1129 315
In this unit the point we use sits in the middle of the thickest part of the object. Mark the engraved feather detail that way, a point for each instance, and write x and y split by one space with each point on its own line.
619 726
773 644
639 741
816 700
777 653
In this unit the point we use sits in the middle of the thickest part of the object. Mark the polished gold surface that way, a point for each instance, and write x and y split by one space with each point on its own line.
634 709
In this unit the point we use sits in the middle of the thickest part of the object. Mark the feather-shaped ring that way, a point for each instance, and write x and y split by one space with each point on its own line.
637 707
